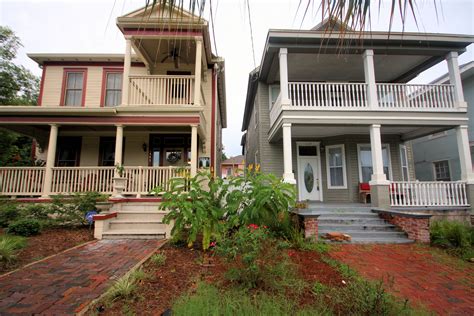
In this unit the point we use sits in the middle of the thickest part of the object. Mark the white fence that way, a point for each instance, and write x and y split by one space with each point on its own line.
21 180
428 193
67 180
161 90
415 96
141 180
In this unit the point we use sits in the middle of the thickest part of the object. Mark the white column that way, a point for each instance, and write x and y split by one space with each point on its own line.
50 158
378 177
118 147
369 73
288 175
194 150
455 79
285 100
197 72
127 62
464 154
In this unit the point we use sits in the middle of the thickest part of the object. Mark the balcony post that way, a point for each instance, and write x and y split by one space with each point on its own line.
455 79
285 100
118 147
369 73
197 72
194 150
288 175
50 158
127 62
379 185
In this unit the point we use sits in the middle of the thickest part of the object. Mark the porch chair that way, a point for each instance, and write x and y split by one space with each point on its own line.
364 192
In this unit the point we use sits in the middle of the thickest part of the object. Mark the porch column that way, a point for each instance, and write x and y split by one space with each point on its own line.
197 72
48 174
464 154
288 175
126 70
285 100
194 149
379 185
118 147
455 79
369 73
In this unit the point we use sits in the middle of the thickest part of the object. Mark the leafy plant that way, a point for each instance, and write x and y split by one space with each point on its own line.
9 212
9 246
25 227
158 259
120 169
36 211
456 237
72 211
126 287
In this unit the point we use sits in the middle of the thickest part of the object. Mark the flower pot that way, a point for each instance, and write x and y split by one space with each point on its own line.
119 186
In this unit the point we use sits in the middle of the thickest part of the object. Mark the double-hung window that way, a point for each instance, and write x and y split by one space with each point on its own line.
441 170
404 163
336 167
74 87
113 88
365 162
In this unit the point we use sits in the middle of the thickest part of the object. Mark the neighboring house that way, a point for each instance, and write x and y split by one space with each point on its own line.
436 156
156 109
234 166
332 113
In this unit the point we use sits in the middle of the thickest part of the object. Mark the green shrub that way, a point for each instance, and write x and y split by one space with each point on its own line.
36 211
126 287
8 213
456 237
72 211
9 246
25 227
158 259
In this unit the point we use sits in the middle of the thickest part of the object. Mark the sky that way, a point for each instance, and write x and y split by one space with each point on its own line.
88 26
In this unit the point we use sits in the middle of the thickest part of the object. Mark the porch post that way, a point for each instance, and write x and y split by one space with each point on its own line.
455 79
197 72
288 175
48 174
379 185
194 149
283 55
369 73
126 70
118 147
464 154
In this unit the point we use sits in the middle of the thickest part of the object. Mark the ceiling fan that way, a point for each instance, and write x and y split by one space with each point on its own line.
174 54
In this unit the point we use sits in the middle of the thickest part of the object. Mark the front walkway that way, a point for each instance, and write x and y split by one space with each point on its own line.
69 281
419 273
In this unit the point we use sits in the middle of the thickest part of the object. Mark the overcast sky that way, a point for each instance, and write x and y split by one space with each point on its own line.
88 26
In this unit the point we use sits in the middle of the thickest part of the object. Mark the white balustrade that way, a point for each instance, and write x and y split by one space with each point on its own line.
161 90
141 180
428 193
21 180
68 180
415 97
275 110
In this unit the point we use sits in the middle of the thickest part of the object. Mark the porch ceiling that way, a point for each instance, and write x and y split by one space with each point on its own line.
162 51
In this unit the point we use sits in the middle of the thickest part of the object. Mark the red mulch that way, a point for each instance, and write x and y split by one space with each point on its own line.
49 242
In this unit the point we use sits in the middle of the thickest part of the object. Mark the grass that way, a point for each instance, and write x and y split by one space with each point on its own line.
126 287
9 247
158 259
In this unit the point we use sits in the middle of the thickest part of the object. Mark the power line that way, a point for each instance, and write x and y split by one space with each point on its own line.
251 34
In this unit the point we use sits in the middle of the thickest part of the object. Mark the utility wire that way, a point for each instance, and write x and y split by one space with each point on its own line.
212 26
251 34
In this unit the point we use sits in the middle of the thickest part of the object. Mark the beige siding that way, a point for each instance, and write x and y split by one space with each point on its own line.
134 154
90 151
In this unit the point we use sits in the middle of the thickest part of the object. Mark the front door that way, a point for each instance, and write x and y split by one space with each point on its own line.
308 172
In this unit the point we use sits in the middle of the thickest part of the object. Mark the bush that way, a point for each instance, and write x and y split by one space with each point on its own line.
9 246
125 288
158 259
36 211
73 211
24 227
8 213
456 237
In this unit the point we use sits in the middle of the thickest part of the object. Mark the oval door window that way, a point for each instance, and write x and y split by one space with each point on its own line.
309 178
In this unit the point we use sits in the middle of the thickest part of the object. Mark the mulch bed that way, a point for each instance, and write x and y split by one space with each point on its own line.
183 270
49 242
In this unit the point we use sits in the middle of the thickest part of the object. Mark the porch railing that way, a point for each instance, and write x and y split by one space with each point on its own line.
67 180
141 180
161 90
21 180
428 193
399 96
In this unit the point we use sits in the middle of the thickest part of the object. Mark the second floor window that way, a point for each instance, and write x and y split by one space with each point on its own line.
113 89
74 88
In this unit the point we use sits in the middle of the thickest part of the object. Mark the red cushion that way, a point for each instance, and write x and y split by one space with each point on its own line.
364 186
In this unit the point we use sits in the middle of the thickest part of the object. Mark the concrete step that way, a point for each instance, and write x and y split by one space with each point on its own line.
126 225
356 227
350 215
141 215
350 220
371 240
369 234
135 206
132 235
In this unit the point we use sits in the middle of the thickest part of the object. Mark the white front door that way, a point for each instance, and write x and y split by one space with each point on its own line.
308 172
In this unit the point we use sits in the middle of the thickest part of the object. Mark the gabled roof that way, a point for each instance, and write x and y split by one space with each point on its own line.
234 160
159 11
466 71
332 24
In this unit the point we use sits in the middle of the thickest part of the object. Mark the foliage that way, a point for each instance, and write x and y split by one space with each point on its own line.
9 246
9 212
297 240
36 211
456 237
73 211
126 287
25 227
158 259
120 169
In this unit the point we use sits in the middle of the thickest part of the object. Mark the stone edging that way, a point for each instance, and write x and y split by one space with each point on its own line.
399 213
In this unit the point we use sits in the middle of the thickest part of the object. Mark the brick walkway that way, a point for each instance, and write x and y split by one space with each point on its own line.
66 283
420 273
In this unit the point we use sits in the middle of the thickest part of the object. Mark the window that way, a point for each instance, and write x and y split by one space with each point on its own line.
365 162
113 88
255 116
404 163
68 151
336 167
274 92
107 151
441 170
74 86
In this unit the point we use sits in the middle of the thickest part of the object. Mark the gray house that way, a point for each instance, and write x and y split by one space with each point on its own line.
436 156
333 115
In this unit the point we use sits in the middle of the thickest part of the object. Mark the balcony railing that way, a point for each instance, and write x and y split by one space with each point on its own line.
161 90
141 180
21 180
428 193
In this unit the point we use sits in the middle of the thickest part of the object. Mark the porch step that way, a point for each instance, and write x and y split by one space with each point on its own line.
355 227
342 220
141 215
136 207
133 234
370 234
126 225
378 240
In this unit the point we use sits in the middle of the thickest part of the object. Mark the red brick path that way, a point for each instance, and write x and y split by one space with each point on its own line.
420 273
66 283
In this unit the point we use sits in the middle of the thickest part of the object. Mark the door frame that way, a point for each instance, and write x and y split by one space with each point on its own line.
318 158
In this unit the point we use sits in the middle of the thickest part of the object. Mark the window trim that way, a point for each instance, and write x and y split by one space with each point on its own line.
434 169
344 169
403 148
105 72
270 95
66 71
255 118
390 173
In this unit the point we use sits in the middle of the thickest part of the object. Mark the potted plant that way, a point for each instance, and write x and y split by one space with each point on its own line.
119 182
